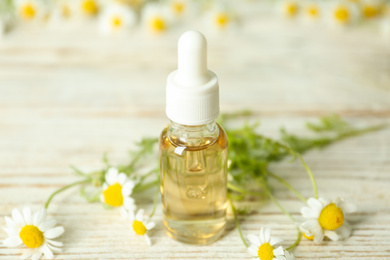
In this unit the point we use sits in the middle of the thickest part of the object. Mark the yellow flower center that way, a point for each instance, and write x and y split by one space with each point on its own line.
157 24
221 20
116 22
312 11
139 227
31 236
266 252
65 10
291 9
341 14
370 11
331 217
113 195
178 7
89 7
28 11
308 237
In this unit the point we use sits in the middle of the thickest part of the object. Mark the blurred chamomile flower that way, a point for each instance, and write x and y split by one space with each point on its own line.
132 3
312 10
371 8
140 224
326 219
29 10
179 9
117 190
155 18
116 18
33 231
289 8
221 17
263 246
342 12
89 8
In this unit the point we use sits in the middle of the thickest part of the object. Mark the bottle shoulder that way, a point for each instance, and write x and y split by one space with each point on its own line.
168 139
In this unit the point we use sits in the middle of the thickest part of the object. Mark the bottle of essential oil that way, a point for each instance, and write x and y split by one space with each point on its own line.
193 149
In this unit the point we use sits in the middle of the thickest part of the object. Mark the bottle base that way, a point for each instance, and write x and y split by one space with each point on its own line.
196 232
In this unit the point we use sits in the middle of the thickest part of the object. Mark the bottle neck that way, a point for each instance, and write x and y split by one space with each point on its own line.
199 135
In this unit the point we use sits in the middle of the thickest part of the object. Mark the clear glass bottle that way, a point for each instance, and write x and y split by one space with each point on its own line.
193 149
193 181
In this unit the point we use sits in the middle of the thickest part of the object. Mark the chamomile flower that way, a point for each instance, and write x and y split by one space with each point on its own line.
179 9
289 8
312 10
221 17
89 8
140 224
117 190
117 18
33 231
155 18
343 12
371 8
29 10
326 219
263 246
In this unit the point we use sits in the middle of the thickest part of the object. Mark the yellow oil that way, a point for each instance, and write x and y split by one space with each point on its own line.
194 187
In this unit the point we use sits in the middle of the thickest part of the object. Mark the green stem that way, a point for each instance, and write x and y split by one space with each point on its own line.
243 191
65 188
310 173
278 204
296 241
154 203
236 221
146 186
288 186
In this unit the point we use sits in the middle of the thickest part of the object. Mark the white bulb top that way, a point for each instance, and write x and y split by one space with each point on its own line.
192 60
192 90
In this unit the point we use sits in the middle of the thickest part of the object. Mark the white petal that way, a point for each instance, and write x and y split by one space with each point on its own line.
54 248
11 232
261 236
127 188
129 203
324 201
27 215
254 240
121 178
140 215
331 235
27 254
344 231
150 225
318 235
47 224
39 217
288 255
280 257
54 232
46 251
315 204
12 241
10 223
36 256
310 213
267 234
18 218
54 243
345 207
111 176
275 240
310 225
279 251
147 239
253 250
131 215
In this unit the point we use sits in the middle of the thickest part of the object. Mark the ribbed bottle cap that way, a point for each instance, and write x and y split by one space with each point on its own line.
192 93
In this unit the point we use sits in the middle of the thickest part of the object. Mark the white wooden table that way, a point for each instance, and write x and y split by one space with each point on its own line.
66 97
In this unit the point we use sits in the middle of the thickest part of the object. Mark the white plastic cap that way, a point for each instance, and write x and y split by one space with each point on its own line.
192 93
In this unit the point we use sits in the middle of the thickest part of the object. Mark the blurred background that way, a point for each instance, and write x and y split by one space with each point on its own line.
79 78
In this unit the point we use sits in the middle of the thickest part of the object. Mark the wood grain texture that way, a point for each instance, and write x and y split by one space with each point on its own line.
68 96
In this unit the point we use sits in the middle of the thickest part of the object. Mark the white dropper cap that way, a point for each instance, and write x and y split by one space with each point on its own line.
192 91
